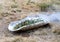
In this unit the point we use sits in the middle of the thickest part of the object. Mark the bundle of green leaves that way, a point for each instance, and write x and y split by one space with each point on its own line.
27 22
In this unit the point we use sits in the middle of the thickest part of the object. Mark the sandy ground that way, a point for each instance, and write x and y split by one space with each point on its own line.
41 34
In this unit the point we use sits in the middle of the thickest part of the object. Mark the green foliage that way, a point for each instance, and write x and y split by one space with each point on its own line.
27 22
14 6
56 32
18 10
28 2
1 8
56 2
13 0
43 6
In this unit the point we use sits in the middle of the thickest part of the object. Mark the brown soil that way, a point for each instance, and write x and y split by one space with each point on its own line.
41 34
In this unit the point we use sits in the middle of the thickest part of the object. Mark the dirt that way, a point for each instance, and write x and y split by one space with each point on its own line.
42 34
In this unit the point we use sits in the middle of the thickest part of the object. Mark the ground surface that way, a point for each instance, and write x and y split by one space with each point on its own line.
8 14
